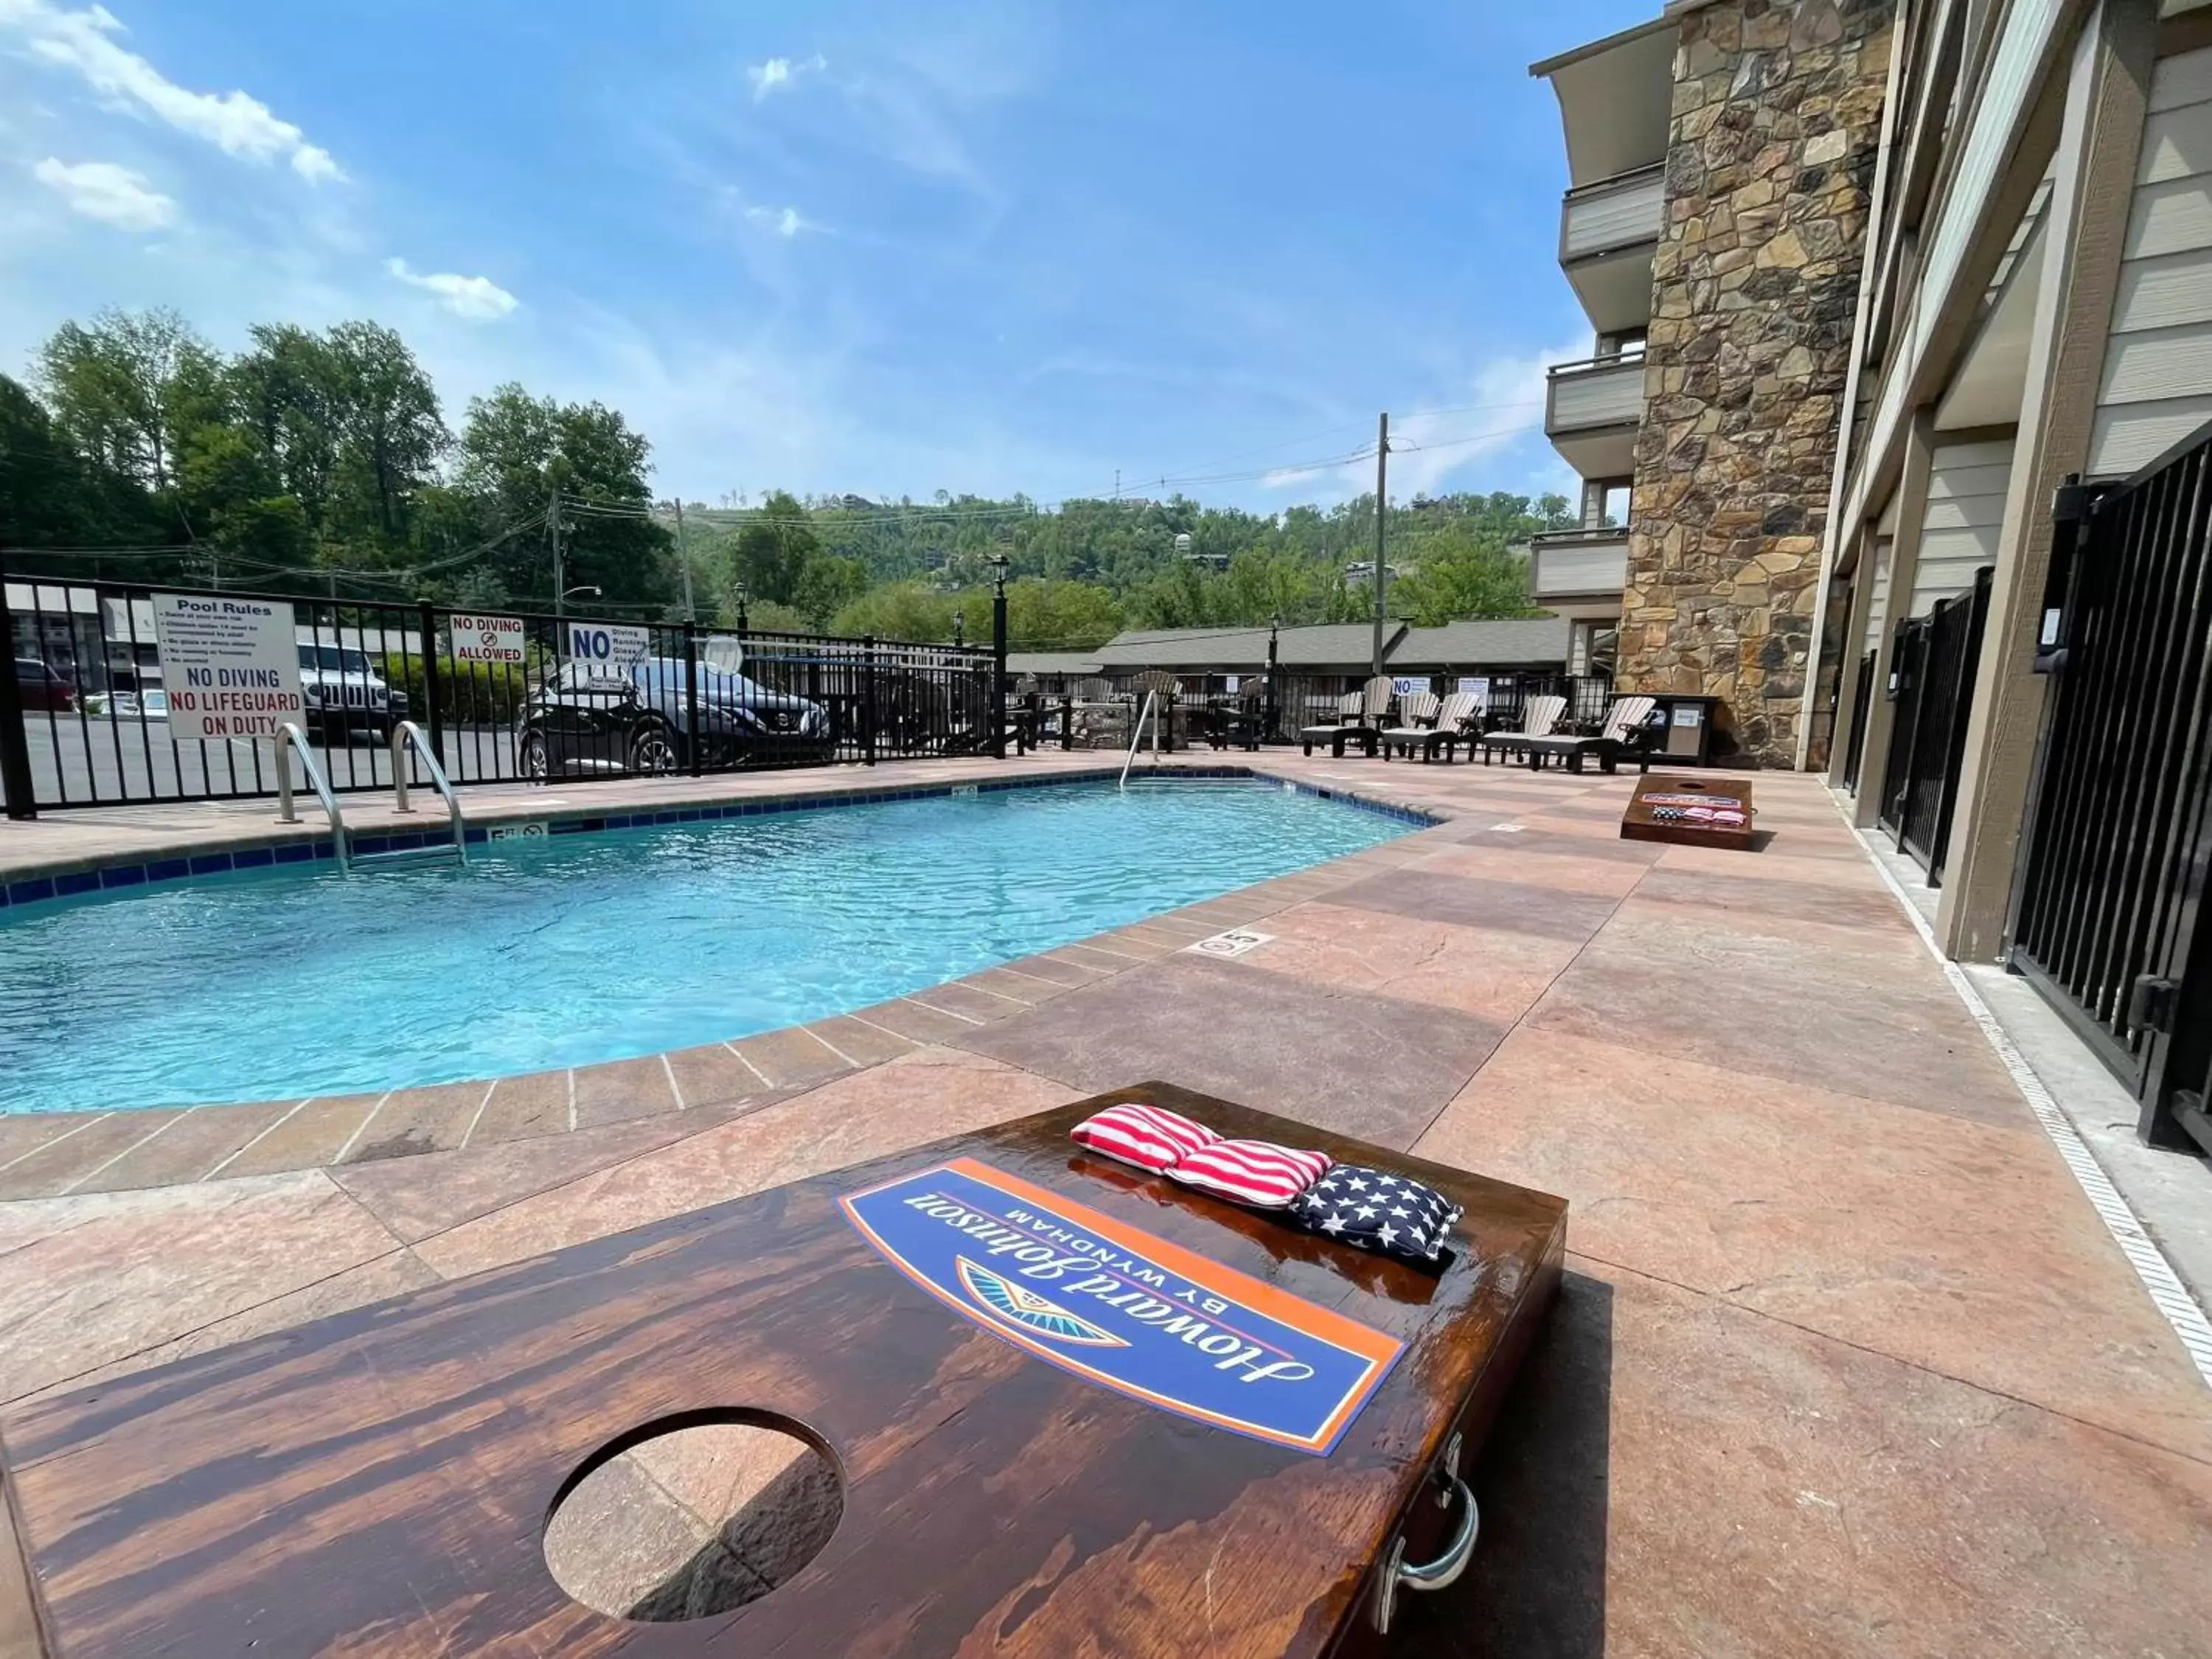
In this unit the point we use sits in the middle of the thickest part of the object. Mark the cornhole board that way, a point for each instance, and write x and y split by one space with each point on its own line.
1674 793
379 1482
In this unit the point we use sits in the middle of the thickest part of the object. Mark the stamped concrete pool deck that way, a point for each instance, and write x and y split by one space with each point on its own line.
1846 1362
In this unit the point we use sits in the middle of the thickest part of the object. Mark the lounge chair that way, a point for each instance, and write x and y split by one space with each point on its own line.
1538 716
1621 733
1417 724
1459 720
1360 715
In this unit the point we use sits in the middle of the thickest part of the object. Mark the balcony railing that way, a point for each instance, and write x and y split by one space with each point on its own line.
1600 392
1613 214
1578 564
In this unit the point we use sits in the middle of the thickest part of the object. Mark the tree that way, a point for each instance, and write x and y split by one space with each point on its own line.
774 549
516 451
826 585
285 392
120 389
390 431
898 611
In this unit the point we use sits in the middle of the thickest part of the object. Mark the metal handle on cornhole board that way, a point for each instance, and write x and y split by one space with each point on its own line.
1445 1570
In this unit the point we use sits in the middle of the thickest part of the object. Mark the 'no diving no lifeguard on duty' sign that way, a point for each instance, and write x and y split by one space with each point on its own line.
1111 1302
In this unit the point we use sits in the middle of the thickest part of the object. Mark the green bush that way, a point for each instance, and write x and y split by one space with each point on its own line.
471 693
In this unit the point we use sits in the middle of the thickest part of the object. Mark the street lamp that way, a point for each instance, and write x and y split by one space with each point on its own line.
567 593
998 563
959 630
744 594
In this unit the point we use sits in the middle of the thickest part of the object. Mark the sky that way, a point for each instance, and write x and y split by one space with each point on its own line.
978 246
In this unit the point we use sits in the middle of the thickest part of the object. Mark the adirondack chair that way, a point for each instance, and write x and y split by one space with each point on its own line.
1459 720
1538 716
1417 725
1621 734
1360 717
1236 719
1163 688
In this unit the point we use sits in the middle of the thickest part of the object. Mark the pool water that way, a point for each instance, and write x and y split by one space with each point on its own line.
576 949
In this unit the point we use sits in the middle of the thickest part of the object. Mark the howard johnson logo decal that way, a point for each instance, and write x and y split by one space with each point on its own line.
1137 1314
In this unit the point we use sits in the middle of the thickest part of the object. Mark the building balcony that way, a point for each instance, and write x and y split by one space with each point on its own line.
1579 564
1591 411
1608 231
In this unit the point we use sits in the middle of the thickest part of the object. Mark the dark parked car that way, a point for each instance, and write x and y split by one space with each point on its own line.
592 717
44 687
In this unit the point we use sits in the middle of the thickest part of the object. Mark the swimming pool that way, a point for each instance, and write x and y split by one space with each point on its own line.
582 948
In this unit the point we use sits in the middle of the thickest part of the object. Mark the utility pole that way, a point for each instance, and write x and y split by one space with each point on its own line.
1382 506
685 560
560 578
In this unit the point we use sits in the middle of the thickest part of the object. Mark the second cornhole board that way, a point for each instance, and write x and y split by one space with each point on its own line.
1691 811
379 1481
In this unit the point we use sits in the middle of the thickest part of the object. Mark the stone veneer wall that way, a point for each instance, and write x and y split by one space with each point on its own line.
1770 161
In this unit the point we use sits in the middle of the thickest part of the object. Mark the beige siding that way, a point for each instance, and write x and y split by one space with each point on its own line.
1966 487
2157 383
1878 602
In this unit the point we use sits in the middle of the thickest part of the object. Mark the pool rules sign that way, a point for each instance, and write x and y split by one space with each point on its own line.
231 667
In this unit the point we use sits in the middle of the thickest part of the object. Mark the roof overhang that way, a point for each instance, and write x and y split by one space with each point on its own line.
1990 384
1615 99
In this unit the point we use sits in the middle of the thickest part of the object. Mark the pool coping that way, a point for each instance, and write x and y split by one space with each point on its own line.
76 1152
216 853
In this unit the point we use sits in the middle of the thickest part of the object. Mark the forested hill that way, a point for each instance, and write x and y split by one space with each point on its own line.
323 463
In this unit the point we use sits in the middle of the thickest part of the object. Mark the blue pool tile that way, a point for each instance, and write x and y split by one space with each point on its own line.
621 823
76 881
476 833
294 852
29 892
690 815
169 869
208 864
252 857
122 875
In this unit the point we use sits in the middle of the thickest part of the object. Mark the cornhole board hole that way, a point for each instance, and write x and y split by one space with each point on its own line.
1010 1481
1690 811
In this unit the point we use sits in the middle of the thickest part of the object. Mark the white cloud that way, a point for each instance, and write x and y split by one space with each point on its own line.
234 122
780 72
477 298
785 221
101 190
1502 410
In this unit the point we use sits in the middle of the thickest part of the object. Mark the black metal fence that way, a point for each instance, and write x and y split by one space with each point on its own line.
1935 659
86 700
2108 912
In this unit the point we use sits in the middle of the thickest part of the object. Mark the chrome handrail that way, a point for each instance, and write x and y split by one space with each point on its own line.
1137 735
402 733
291 737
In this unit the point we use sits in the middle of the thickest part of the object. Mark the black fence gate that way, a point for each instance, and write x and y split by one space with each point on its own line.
2109 907
1935 659
87 701
1861 707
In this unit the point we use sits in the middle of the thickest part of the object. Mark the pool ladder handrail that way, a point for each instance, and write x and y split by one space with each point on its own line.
1137 735
291 737
404 732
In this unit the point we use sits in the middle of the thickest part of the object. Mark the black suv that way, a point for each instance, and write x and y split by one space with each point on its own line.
597 717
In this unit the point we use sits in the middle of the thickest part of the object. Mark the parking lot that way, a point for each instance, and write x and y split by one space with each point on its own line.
81 762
